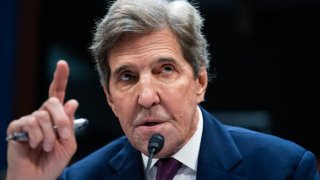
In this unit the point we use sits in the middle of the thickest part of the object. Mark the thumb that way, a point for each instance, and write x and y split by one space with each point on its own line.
70 108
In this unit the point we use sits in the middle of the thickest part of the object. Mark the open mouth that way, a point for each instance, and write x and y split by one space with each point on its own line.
151 127
151 123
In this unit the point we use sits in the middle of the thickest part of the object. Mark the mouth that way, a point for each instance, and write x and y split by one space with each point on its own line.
149 127
151 123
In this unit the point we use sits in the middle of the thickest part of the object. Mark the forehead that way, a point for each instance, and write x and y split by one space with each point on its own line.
138 46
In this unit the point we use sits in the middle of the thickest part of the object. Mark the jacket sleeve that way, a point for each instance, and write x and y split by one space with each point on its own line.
307 168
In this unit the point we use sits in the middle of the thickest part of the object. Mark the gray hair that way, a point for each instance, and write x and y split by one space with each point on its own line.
142 16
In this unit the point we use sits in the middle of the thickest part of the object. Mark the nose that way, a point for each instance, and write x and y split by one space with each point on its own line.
148 95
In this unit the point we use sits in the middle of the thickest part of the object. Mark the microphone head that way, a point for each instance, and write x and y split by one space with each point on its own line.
155 143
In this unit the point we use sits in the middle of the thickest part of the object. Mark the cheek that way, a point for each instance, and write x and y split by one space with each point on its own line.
182 100
181 94
123 110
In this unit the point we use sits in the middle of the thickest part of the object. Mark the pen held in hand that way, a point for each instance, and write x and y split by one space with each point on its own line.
79 125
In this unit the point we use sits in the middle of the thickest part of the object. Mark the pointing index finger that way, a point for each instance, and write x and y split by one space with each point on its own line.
60 80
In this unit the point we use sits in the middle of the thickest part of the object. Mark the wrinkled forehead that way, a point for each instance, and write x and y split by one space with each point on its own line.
139 43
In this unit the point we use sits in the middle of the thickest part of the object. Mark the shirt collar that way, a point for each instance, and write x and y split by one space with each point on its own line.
188 154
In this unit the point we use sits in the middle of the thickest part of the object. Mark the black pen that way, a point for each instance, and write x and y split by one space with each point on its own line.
79 124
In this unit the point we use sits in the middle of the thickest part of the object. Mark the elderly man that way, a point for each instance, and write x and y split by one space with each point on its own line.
152 58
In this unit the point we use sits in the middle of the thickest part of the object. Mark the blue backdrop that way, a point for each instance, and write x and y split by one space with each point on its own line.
8 26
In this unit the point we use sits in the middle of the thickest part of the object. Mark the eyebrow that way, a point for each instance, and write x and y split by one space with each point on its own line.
167 60
121 68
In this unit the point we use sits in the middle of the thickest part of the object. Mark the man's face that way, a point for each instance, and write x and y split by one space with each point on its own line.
153 90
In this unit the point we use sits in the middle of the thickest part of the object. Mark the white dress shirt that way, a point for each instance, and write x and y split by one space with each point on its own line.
187 155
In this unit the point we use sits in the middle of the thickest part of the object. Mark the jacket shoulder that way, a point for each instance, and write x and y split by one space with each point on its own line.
254 155
96 165
271 154
252 140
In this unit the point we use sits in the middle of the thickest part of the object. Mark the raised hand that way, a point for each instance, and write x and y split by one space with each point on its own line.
49 149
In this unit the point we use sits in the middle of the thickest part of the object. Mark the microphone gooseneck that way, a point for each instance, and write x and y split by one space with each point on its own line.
155 144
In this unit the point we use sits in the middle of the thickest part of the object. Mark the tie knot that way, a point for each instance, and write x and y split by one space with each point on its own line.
167 168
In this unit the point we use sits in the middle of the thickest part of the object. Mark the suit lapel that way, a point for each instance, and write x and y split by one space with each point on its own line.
128 164
218 153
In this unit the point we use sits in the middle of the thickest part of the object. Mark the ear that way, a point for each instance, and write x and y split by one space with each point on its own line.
202 82
110 100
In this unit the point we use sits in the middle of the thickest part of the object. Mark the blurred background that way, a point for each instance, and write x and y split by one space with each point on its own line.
265 53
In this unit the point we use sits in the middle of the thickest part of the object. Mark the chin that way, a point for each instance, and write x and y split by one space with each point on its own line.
141 144
165 152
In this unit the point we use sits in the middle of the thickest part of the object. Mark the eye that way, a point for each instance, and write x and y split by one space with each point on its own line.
167 69
127 77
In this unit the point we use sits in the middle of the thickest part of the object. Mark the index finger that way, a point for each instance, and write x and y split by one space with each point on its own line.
60 80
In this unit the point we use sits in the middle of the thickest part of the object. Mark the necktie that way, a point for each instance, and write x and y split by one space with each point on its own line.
167 168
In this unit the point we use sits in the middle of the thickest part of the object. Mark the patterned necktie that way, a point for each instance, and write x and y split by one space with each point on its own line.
167 168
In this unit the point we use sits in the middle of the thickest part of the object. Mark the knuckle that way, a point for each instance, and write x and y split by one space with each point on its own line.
12 126
61 120
13 123
40 114
53 100
31 122
43 114
17 124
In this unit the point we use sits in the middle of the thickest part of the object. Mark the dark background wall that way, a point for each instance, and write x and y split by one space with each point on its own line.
7 51
265 54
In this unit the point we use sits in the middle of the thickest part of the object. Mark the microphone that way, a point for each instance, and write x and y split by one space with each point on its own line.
155 144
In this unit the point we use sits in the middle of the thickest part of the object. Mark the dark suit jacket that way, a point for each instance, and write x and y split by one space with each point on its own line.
226 153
